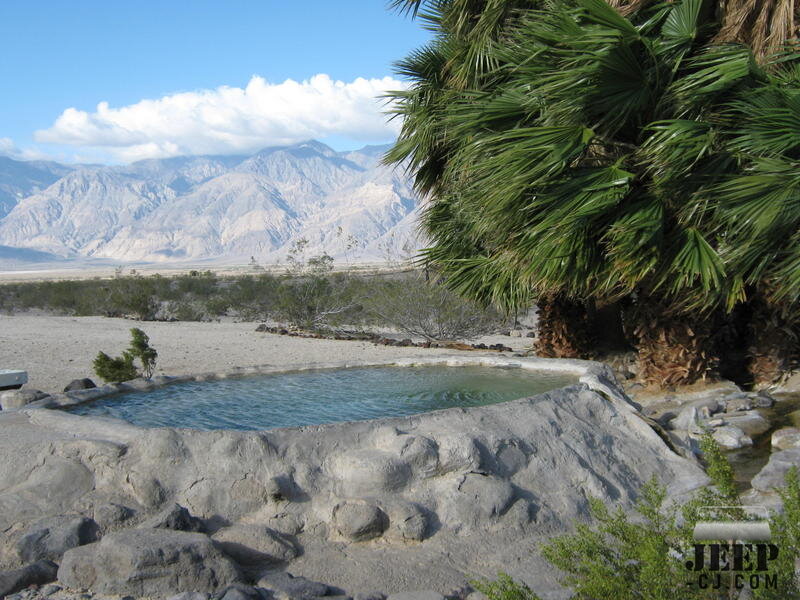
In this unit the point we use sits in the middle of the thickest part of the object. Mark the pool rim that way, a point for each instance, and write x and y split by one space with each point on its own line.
597 376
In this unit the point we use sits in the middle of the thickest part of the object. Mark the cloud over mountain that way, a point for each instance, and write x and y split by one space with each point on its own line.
229 120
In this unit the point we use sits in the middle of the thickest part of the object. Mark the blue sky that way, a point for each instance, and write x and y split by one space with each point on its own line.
159 66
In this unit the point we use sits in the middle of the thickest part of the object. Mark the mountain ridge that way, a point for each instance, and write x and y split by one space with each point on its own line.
347 204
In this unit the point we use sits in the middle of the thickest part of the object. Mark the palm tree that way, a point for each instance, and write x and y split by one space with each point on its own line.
595 161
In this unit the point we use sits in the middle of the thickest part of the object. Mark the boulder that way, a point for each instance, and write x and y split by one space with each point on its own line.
14 399
254 544
284 586
751 422
408 522
731 438
80 384
38 573
108 516
174 517
739 404
773 473
762 399
239 591
687 420
148 562
785 438
359 520
51 537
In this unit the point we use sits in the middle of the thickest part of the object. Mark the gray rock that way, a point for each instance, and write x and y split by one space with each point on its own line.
421 595
286 585
687 420
51 537
175 517
14 399
239 591
739 404
50 588
762 399
515 333
254 544
80 384
42 571
773 473
370 596
785 438
731 438
408 522
751 422
110 515
148 562
190 596
359 520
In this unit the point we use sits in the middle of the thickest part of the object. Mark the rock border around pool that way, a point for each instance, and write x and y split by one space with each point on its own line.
597 376
427 501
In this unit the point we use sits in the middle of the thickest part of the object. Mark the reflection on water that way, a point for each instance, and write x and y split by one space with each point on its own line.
325 396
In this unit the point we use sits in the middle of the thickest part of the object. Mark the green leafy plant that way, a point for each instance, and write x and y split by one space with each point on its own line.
122 368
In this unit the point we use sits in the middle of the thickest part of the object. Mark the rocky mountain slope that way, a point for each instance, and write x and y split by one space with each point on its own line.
207 207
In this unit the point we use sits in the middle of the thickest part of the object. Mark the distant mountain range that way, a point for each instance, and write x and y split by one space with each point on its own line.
210 207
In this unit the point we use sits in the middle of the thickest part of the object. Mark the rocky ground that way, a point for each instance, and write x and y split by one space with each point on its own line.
397 505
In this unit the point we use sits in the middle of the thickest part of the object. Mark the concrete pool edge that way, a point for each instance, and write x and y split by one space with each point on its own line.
597 376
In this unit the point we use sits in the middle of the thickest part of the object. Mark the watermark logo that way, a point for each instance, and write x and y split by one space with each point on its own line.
732 553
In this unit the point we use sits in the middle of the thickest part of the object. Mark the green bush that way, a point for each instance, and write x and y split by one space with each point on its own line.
122 368
428 309
119 368
643 557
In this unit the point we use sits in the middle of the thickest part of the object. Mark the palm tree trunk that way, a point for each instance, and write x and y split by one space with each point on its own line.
563 329
773 348
673 349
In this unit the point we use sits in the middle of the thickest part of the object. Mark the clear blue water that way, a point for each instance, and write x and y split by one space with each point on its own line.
323 396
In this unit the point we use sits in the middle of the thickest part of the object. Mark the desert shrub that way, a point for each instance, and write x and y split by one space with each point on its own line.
123 368
643 556
200 285
310 295
428 309
187 311
119 368
252 297
133 296
315 301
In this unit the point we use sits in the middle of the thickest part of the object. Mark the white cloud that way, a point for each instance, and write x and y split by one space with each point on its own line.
230 119
10 149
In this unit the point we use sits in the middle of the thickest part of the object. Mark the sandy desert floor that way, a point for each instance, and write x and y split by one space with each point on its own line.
56 350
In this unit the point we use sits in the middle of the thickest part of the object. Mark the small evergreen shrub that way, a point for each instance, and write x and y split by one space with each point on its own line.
122 368
119 368
140 348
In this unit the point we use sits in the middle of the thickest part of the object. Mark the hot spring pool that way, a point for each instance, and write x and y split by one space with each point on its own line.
324 396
